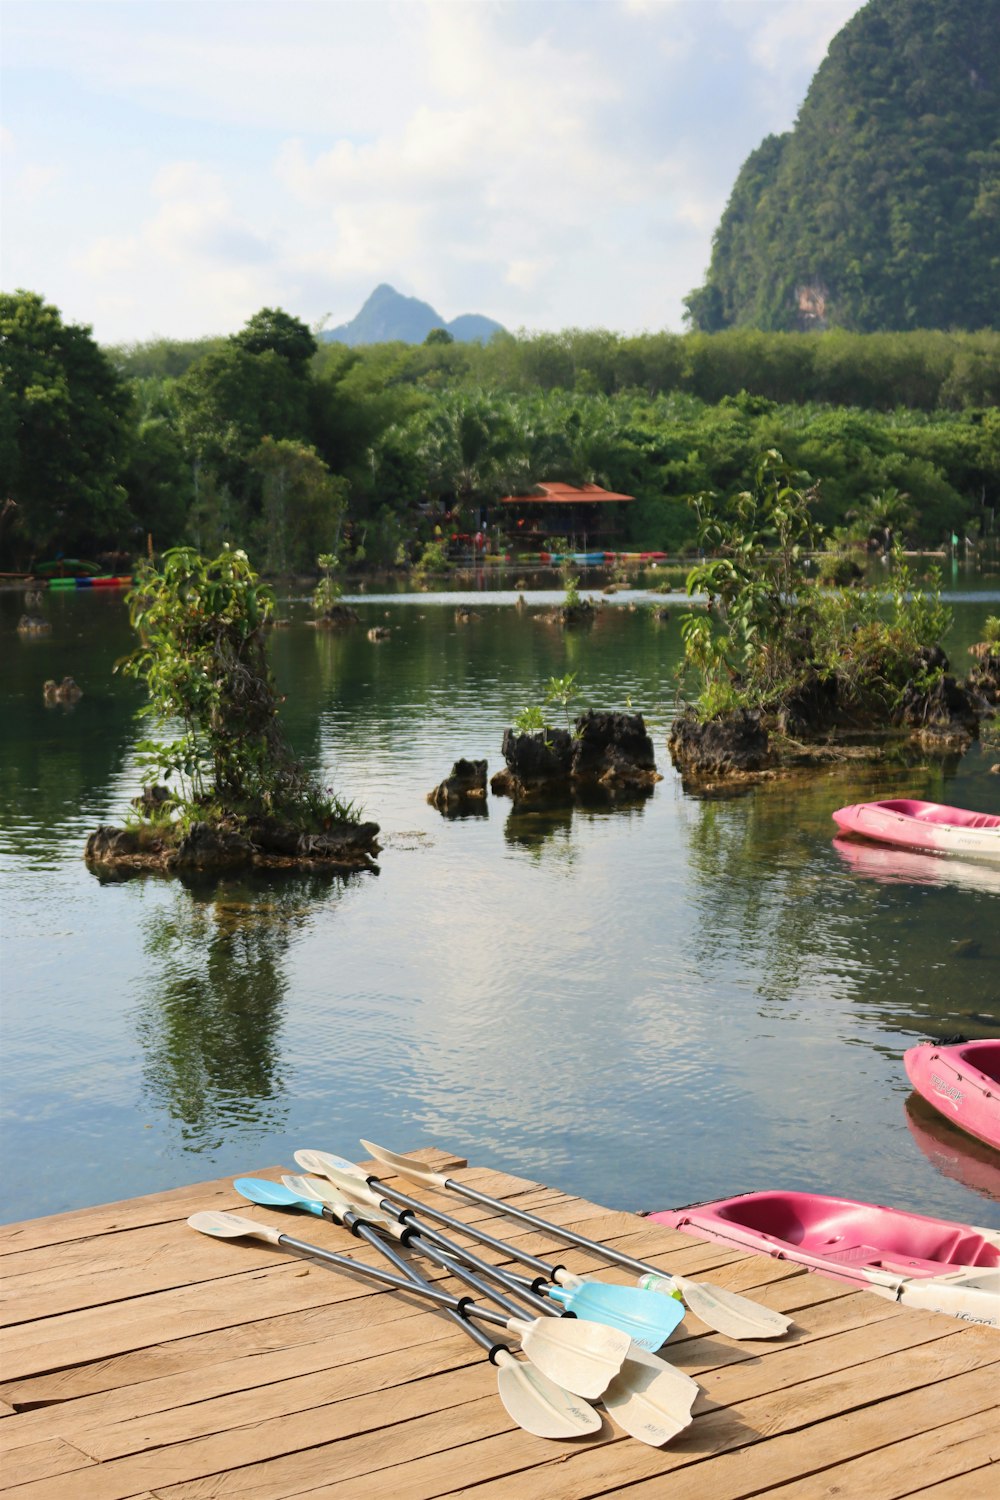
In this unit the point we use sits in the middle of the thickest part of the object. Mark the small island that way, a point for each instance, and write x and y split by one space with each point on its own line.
227 791
789 673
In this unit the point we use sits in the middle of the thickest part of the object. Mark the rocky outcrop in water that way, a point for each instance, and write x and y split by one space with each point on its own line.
229 843
605 749
463 792
824 720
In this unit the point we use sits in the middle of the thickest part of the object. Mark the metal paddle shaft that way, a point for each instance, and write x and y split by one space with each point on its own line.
222 1225
532 1399
581 1355
648 1319
727 1311
412 1232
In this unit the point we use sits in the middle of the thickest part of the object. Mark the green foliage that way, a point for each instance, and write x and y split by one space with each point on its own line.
881 209
329 589
572 596
433 558
63 434
991 630
303 504
767 636
276 331
559 690
202 627
760 536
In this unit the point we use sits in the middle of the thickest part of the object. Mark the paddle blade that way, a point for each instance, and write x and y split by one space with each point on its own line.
322 1191
273 1194
650 1399
226 1226
406 1166
727 1312
648 1320
539 1405
318 1161
352 1189
583 1357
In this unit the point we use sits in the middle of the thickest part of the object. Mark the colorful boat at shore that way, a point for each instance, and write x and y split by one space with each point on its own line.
933 1264
962 1082
931 827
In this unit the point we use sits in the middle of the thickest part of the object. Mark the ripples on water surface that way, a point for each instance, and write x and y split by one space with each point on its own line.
650 1005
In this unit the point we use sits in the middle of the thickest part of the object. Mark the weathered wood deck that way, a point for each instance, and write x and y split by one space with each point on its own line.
141 1359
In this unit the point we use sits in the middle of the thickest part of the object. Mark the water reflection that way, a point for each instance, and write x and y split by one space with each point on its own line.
532 826
892 866
211 1026
951 1151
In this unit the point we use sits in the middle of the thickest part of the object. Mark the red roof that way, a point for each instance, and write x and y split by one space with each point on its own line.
558 493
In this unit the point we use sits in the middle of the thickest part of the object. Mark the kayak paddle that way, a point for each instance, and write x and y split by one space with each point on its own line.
650 1398
534 1401
649 1320
728 1312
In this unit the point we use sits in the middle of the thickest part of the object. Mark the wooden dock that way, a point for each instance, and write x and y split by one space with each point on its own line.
141 1359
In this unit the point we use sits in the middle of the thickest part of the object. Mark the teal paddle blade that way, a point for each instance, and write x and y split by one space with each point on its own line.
629 1308
274 1195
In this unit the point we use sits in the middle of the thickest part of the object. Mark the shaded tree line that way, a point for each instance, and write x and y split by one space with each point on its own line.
290 448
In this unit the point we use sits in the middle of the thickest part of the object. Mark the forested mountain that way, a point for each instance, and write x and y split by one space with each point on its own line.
389 317
880 210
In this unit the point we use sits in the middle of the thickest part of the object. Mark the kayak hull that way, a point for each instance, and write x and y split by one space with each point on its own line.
931 827
961 1082
912 1259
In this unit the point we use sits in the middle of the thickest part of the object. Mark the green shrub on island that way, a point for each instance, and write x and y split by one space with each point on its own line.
203 660
767 644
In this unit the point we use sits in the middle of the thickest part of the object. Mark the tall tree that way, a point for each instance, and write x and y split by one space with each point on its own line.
277 331
64 432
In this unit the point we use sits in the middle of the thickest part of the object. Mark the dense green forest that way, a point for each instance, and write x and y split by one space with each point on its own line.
881 208
266 440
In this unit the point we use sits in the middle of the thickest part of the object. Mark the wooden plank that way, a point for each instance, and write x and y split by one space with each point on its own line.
246 1371
461 1401
946 1452
592 1471
977 1483
148 1362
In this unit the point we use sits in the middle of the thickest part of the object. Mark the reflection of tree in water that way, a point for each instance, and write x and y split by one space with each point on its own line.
775 895
760 893
211 1027
546 826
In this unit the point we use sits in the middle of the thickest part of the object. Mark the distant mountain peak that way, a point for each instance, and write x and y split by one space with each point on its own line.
389 317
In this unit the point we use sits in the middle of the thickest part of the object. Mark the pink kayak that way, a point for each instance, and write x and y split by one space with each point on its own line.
962 1083
929 826
921 1262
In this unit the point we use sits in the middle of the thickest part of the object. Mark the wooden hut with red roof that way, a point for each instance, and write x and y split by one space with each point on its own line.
585 514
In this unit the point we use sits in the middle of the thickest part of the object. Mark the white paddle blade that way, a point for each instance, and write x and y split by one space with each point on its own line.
650 1398
406 1166
226 1226
584 1357
539 1405
319 1188
727 1312
354 1189
318 1161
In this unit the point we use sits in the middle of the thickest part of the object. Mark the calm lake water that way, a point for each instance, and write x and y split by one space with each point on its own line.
647 1005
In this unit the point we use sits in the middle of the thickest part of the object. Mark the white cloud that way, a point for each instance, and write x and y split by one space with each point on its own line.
548 164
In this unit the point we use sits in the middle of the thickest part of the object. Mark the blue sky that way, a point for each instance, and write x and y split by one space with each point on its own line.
171 166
